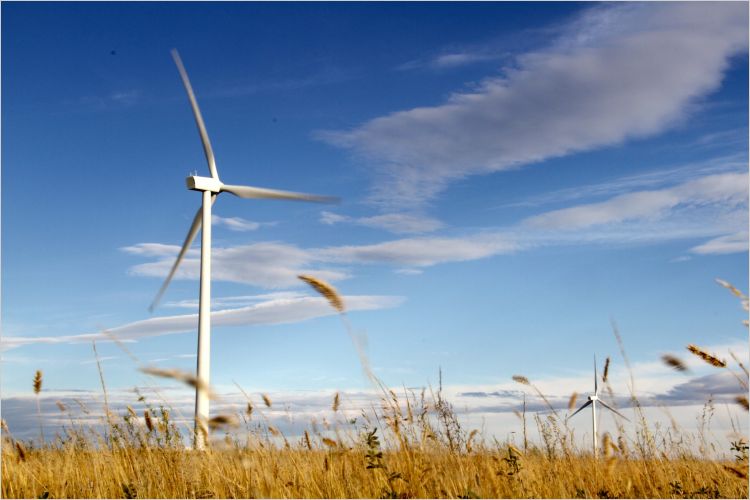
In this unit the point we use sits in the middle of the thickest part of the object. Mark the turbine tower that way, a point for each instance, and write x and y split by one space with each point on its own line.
592 400
210 188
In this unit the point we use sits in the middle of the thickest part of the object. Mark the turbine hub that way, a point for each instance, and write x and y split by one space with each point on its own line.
197 183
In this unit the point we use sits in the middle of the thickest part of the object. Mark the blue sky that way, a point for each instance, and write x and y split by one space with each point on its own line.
513 177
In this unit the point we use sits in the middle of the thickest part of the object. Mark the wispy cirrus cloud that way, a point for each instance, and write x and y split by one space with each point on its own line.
618 72
730 243
455 59
729 191
398 223
709 206
270 312
238 223
423 252
267 264
648 180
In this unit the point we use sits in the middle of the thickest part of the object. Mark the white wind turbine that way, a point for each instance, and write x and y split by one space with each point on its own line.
592 400
211 187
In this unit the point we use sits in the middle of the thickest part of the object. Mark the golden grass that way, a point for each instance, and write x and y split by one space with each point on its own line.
705 356
326 290
342 473
413 447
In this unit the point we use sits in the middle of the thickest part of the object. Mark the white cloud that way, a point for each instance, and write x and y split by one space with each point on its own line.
270 312
235 301
728 190
398 223
267 264
408 271
711 206
331 218
649 180
422 251
618 72
456 59
731 243
235 223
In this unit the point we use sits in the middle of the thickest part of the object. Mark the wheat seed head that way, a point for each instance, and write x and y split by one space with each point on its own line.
336 403
705 356
38 381
21 451
674 362
572 401
606 370
149 421
223 421
742 401
184 377
521 379
266 400
326 290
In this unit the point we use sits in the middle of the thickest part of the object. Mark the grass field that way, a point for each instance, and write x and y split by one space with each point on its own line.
421 451
407 446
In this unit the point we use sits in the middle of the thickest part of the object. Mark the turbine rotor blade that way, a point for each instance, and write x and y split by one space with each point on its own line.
255 192
192 232
579 409
197 114
612 410
596 379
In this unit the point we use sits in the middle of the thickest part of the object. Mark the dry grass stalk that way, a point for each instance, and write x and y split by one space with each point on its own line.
274 431
521 379
740 473
148 419
21 451
184 377
326 290
37 385
266 400
131 411
4 425
336 402
705 356
330 442
308 444
572 401
674 362
731 288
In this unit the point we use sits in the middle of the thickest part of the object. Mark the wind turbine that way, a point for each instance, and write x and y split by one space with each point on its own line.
211 187
592 400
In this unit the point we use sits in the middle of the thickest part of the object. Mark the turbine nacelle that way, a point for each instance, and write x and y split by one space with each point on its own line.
197 183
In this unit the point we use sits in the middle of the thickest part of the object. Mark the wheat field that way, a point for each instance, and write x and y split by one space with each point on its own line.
407 446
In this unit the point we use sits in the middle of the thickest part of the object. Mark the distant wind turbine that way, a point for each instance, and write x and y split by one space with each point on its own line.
592 400
211 187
